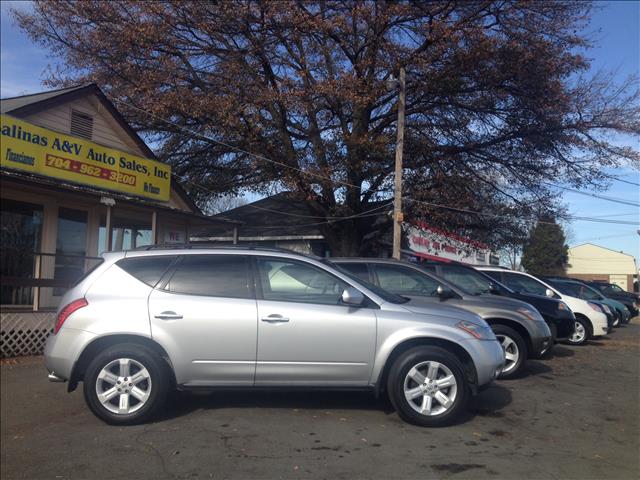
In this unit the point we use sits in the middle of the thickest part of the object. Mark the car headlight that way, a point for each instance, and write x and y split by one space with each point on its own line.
606 309
478 331
595 307
532 315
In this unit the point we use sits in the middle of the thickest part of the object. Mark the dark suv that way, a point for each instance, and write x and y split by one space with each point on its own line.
556 313
611 290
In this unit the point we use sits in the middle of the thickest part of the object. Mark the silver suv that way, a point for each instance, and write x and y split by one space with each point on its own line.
144 322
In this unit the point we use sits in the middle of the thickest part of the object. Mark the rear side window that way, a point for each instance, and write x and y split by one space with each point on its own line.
148 270
212 276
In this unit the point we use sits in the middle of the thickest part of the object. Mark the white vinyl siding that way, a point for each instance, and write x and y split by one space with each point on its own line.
106 130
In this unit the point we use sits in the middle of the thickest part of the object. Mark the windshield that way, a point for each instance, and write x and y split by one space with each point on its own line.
385 295
468 279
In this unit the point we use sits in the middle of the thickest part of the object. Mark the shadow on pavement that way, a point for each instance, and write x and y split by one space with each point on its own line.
487 403
560 351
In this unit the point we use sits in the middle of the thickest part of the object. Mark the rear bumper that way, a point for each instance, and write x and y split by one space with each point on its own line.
62 350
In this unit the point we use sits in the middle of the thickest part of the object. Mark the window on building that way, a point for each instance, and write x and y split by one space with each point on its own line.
81 124
71 246
290 281
212 276
20 237
128 231
405 281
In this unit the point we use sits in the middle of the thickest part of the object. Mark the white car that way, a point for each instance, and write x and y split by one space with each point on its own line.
591 321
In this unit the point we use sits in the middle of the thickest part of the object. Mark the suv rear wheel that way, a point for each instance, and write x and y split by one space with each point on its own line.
427 386
125 384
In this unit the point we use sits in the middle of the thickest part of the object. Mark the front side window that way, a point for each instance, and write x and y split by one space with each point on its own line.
359 270
405 281
522 283
613 288
212 275
290 281
590 294
467 279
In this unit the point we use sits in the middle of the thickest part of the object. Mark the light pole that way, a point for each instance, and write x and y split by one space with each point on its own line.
397 195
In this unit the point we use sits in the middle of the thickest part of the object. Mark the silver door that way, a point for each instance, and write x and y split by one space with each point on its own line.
305 336
206 319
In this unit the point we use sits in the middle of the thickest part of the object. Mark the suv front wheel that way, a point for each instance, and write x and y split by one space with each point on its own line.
125 384
427 386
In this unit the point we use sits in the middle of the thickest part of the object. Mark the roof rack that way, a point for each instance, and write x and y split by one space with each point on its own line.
199 246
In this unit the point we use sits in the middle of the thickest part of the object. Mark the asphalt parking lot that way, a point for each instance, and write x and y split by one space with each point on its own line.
574 415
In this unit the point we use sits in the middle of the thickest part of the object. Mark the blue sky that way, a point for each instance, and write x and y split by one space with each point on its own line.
616 28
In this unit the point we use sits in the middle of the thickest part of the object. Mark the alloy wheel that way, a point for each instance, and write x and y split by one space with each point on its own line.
430 388
579 333
511 353
123 386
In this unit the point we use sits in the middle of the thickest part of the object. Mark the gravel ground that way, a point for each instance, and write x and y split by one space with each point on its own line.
574 415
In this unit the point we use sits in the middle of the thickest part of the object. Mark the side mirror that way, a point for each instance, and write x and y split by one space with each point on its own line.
549 293
493 289
444 292
353 297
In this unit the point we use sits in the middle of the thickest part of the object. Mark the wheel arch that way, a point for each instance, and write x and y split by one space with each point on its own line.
103 342
586 319
517 326
456 349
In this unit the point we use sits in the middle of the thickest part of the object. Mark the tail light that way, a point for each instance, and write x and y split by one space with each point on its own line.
68 310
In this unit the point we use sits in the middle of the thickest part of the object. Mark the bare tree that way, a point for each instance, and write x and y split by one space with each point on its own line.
295 95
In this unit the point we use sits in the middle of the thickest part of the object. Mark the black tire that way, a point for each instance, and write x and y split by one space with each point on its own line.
580 339
157 384
418 356
521 350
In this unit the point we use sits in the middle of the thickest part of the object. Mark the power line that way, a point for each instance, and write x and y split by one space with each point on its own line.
595 195
261 157
367 213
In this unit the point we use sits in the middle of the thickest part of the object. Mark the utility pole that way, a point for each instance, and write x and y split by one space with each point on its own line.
397 198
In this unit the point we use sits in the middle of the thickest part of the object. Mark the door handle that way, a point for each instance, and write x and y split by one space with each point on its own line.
168 315
275 318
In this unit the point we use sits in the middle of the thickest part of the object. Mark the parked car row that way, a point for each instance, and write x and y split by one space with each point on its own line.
426 336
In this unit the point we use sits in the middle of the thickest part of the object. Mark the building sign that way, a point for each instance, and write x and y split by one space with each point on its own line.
38 150
433 242
174 236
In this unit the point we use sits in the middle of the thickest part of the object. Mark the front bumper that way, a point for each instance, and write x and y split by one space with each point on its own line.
541 339
488 359
564 323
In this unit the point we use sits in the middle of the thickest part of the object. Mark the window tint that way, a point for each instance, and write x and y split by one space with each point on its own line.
467 279
405 281
147 269
522 283
290 281
212 275
358 269
589 293
495 275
